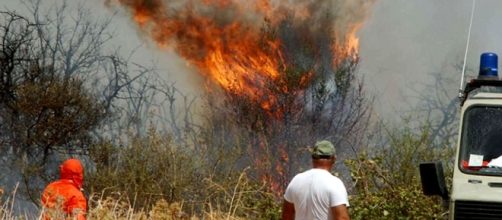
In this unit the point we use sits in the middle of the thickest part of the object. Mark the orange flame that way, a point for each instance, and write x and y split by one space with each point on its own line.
224 41
352 41
266 51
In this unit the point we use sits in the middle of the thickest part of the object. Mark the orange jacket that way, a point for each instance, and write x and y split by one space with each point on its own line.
64 194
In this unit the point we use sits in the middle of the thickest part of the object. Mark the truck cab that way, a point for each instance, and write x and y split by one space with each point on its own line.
476 191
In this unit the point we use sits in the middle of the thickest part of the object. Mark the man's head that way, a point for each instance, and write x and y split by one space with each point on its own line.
323 150
323 155
72 169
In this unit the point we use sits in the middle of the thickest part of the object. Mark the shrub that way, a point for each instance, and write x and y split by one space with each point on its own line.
146 170
154 172
387 183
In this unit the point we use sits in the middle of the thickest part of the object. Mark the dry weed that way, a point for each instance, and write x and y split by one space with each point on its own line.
162 210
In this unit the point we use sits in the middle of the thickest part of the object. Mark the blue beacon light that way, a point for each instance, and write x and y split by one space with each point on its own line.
488 66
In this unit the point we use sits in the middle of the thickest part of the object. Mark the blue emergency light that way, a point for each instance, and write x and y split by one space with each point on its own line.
488 66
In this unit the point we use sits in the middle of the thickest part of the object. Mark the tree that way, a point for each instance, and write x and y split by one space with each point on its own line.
61 91
44 110
438 102
316 97
280 74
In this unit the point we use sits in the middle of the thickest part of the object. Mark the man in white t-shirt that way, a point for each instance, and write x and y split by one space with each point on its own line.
316 194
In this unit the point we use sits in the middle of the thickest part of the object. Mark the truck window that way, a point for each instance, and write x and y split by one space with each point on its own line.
481 141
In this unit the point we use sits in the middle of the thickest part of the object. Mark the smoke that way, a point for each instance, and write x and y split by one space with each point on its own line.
286 68
404 42
161 17
242 45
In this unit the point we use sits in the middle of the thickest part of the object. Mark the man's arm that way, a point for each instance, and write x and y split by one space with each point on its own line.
288 211
77 206
340 212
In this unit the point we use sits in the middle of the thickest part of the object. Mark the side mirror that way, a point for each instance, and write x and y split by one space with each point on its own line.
432 177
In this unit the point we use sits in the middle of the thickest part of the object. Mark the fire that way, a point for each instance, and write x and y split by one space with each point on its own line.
224 40
264 56
352 42
140 17
241 66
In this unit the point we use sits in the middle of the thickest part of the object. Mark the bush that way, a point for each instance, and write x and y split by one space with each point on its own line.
387 183
154 170
146 170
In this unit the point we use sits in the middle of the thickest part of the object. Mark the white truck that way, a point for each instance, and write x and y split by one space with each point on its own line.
476 191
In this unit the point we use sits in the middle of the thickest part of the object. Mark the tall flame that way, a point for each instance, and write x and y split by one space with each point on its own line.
245 47
266 54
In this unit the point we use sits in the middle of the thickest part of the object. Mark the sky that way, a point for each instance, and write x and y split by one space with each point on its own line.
402 43
405 41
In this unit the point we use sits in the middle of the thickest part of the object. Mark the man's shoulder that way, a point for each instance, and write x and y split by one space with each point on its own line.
52 185
321 173
304 174
62 187
326 178
300 178
334 179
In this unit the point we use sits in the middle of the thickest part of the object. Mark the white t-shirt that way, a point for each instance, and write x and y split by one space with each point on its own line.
314 192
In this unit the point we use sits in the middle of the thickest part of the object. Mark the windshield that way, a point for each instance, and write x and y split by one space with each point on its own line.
481 147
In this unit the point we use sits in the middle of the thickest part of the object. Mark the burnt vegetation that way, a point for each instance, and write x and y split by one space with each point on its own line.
313 98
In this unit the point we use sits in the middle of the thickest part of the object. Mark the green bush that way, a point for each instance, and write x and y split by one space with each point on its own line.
387 183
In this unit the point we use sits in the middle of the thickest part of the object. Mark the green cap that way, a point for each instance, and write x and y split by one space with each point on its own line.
323 148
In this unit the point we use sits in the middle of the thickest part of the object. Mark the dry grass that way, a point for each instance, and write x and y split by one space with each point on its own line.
154 173
7 204
110 209
154 179
119 207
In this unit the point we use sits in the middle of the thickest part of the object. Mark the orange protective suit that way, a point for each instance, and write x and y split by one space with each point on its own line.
63 198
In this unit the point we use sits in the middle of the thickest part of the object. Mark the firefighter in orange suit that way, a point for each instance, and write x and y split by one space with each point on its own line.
63 199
